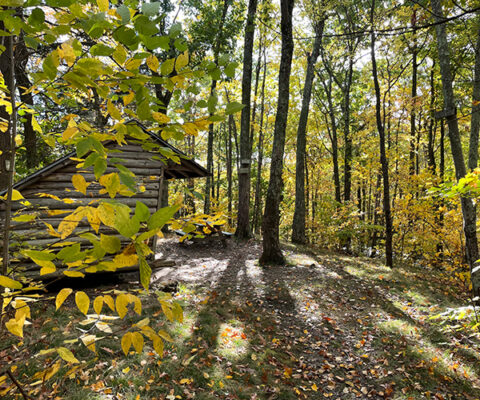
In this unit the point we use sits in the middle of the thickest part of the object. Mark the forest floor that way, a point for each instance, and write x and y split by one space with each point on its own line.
325 325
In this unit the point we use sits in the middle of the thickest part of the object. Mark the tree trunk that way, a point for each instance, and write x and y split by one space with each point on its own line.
347 162
432 125
211 133
243 213
271 217
229 168
257 207
475 123
5 140
413 97
383 155
468 208
298 228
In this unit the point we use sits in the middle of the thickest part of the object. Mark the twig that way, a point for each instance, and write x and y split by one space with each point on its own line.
17 384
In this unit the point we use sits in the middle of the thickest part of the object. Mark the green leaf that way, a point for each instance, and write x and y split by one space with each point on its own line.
151 9
83 147
145 273
175 30
141 211
100 167
233 107
161 217
49 67
125 225
144 26
167 67
101 49
230 69
39 255
111 244
124 13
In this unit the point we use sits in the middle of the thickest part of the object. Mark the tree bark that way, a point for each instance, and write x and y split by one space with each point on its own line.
413 97
468 208
258 195
5 140
298 228
383 155
211 133
272 252
243 213
475 122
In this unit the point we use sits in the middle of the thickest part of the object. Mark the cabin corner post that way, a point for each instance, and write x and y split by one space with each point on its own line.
159 205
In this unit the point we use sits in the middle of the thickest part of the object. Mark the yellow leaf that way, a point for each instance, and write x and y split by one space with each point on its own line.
137 340
314 387
61 297
74 274
113 111
15 327
125 260
82 301
164 335
109 301
79 183
89 341
133 64
98 304
66 355
153 63
158 345
185 381
126 370
190 129
9 283
68 53
121 305
35 125
160 118
137 304
106 213
120 55
70 132
16 195
128 98
182 61
18 140
48 267
102 5
126 342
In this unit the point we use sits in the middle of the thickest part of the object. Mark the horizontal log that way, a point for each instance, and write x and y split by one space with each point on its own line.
92 192
141 171
60 272
59 205
45 186
66 177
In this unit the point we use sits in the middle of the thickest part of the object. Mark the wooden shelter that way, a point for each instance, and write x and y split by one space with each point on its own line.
51 195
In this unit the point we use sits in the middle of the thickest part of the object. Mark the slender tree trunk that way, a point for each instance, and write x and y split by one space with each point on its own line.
334 140
432 125
211 132
413 97
383 155
258 195
468 208
475 123
5 140
272 252
347 161
298 229
229 168
12 131
243 217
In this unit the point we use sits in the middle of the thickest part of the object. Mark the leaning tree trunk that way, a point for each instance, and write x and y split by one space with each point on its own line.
298 228
468 208
383 155
271 217
243 217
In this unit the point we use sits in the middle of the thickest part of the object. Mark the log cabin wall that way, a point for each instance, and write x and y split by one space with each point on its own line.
58 182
